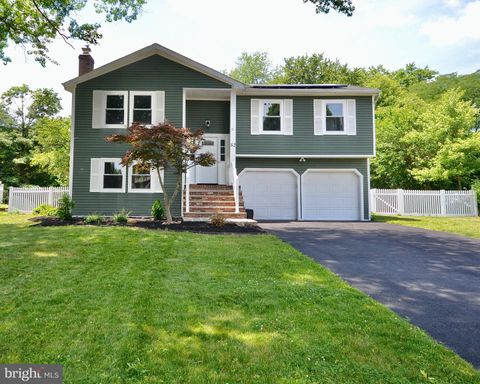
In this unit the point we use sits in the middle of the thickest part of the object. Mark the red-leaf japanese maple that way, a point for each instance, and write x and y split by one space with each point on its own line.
164 147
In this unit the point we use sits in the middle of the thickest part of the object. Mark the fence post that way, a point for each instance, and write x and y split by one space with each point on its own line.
443 204
10 199
1 192
50 196
401 201
373 199
475 202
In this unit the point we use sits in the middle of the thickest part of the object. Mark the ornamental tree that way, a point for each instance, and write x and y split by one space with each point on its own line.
164 147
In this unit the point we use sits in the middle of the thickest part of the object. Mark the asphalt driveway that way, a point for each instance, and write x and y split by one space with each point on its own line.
429 277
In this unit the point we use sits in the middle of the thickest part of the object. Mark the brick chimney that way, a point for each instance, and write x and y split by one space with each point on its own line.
85 61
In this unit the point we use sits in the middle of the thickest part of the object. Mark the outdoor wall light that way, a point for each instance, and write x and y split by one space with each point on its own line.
207 123
302 160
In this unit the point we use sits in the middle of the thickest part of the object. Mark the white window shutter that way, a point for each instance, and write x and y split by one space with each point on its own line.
288 117
156 186
255 121
318 117
351 118
98 109
158 101
95 175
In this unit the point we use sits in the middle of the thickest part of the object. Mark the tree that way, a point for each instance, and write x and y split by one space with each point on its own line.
411 75
324 6
27 105
317 69
253 68
33 24
52 149
164 147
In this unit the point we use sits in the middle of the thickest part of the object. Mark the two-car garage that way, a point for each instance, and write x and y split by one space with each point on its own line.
316 194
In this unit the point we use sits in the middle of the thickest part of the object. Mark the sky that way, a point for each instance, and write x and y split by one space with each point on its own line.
443 34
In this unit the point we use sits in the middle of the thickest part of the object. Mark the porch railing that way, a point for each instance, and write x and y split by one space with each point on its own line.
236 185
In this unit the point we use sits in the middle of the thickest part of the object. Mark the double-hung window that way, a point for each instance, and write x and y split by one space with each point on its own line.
107 175
112 175
141 107
140 178
272 116
115 110
334 117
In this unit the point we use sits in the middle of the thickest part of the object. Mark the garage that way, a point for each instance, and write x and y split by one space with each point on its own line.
332 194
271 193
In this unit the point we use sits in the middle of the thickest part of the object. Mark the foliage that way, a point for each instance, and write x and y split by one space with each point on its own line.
52 149
463 226
476 188
253 68
186 308
158 213
121 216
166 147
45 210
95 218
34 24
217 220
341 6
65 207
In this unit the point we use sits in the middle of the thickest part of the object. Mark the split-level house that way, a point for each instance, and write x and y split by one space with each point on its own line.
287 152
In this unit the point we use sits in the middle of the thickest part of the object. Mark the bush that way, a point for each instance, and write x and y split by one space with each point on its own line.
45 210
121 216
158 212
94 218
476 188
217 220
65 206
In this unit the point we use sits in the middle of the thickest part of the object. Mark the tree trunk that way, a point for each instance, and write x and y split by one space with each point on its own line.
166 200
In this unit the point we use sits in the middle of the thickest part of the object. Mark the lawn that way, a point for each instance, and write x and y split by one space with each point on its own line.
464 226
124 305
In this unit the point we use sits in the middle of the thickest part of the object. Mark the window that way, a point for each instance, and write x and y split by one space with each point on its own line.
112 175
334 115
141 178
222 150
272 116
142 109
115 109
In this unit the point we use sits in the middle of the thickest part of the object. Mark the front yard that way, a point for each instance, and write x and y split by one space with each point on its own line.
123 305
463 226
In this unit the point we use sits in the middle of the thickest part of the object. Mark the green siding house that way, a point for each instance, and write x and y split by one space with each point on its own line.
286 152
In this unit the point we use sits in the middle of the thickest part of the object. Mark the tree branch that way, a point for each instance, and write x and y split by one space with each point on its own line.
52 24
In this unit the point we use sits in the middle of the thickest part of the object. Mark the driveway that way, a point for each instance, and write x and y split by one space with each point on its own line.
429 277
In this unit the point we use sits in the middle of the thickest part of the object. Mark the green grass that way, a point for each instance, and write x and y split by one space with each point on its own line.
123 305
464 226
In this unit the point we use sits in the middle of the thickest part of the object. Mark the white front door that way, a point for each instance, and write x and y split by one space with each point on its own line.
208 175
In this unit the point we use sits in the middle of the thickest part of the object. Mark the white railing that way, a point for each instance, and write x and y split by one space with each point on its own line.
1 192
188 180
235 185
25 200
424 203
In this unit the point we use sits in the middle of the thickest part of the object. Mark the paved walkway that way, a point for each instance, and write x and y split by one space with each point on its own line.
432 278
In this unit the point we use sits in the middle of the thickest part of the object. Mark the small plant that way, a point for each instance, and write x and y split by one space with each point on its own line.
45 210
121 216
158 212
65 207
94 218
217 220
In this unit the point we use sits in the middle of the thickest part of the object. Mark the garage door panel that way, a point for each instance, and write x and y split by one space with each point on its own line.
272 194
330 195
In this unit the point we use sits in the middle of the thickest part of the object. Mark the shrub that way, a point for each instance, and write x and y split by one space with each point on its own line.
217 220
121 216
476 188
45 210
65 206
94 218
158 212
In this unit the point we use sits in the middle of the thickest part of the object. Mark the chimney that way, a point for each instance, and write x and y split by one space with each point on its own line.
85 61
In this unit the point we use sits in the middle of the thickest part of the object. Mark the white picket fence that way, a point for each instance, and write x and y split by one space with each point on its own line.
25 200
424 203
1 192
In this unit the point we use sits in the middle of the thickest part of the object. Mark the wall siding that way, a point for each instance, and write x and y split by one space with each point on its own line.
151 74
218 112
360 164
303 141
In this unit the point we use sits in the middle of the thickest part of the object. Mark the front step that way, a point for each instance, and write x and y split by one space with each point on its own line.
207 200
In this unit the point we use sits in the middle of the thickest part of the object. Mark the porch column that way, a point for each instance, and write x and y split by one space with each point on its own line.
233 136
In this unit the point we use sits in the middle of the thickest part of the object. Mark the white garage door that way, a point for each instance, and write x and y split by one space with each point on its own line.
331 195
271 193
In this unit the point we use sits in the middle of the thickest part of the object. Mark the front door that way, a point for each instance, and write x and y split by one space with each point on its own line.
208 175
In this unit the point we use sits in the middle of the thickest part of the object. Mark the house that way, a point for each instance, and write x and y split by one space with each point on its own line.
289 152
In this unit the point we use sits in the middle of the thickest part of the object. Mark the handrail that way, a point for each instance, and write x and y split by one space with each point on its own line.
235 182
187 190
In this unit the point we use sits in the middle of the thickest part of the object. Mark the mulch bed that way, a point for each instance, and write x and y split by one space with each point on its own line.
190 226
